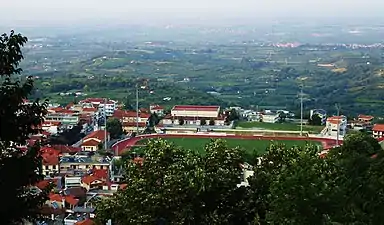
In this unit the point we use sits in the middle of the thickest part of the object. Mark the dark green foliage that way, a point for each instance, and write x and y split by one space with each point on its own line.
114 127
289 186
315 120
180 187
18 169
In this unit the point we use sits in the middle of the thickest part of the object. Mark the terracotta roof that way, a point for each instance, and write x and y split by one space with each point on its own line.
91 142
66 149
85 222
44 183
100 135
365 117
49 151
55 197
90 110
195 108
97 101
93 100
133 124
51 123
89 179
71 200
123 186
380 139
62 111
130 114
335 118
156 107
49 160
100 173
378 127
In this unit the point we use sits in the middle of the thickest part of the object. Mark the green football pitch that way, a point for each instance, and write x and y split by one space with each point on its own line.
250 145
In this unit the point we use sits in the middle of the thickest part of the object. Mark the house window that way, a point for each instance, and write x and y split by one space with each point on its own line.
54 167
86 166
46 167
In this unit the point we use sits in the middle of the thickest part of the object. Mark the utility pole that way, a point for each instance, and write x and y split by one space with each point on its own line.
105 123
338 123
137 109
301 111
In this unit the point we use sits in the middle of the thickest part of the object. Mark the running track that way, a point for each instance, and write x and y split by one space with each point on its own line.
126 144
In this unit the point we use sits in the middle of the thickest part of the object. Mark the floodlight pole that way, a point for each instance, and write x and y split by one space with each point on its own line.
301 111
105 123
338 124
137 109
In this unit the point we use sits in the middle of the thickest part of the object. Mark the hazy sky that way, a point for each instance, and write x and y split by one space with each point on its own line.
19 12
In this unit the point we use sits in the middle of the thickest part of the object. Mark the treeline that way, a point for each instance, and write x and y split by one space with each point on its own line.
289 186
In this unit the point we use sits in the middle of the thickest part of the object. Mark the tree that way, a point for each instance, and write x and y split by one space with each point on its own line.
181 121
211 122
203 121
296 186
18 170
282 117
153 120
233 115
315 120
114 127
179 186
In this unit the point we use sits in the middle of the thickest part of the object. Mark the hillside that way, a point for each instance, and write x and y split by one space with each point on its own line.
249 75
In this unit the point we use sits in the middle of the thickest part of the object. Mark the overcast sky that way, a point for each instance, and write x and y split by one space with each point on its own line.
21 12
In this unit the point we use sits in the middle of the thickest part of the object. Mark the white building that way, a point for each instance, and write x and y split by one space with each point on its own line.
159 110
333 124
194 115
378 130
270 117
52 127
195 111
102 104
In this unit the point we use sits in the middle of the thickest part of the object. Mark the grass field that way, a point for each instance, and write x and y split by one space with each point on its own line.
197 144
278 126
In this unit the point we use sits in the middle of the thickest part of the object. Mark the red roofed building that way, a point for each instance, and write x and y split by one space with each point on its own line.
378 130
52 127
60 201
65 116
195 111
333 124
365 118
44 183
129 118
101 174
65 149
100 103
194 115
159 110
91 182
85 222
90 145
50 164
97 135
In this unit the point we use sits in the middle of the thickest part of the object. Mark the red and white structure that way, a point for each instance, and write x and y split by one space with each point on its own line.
378 131
334 124
195 115
109 106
